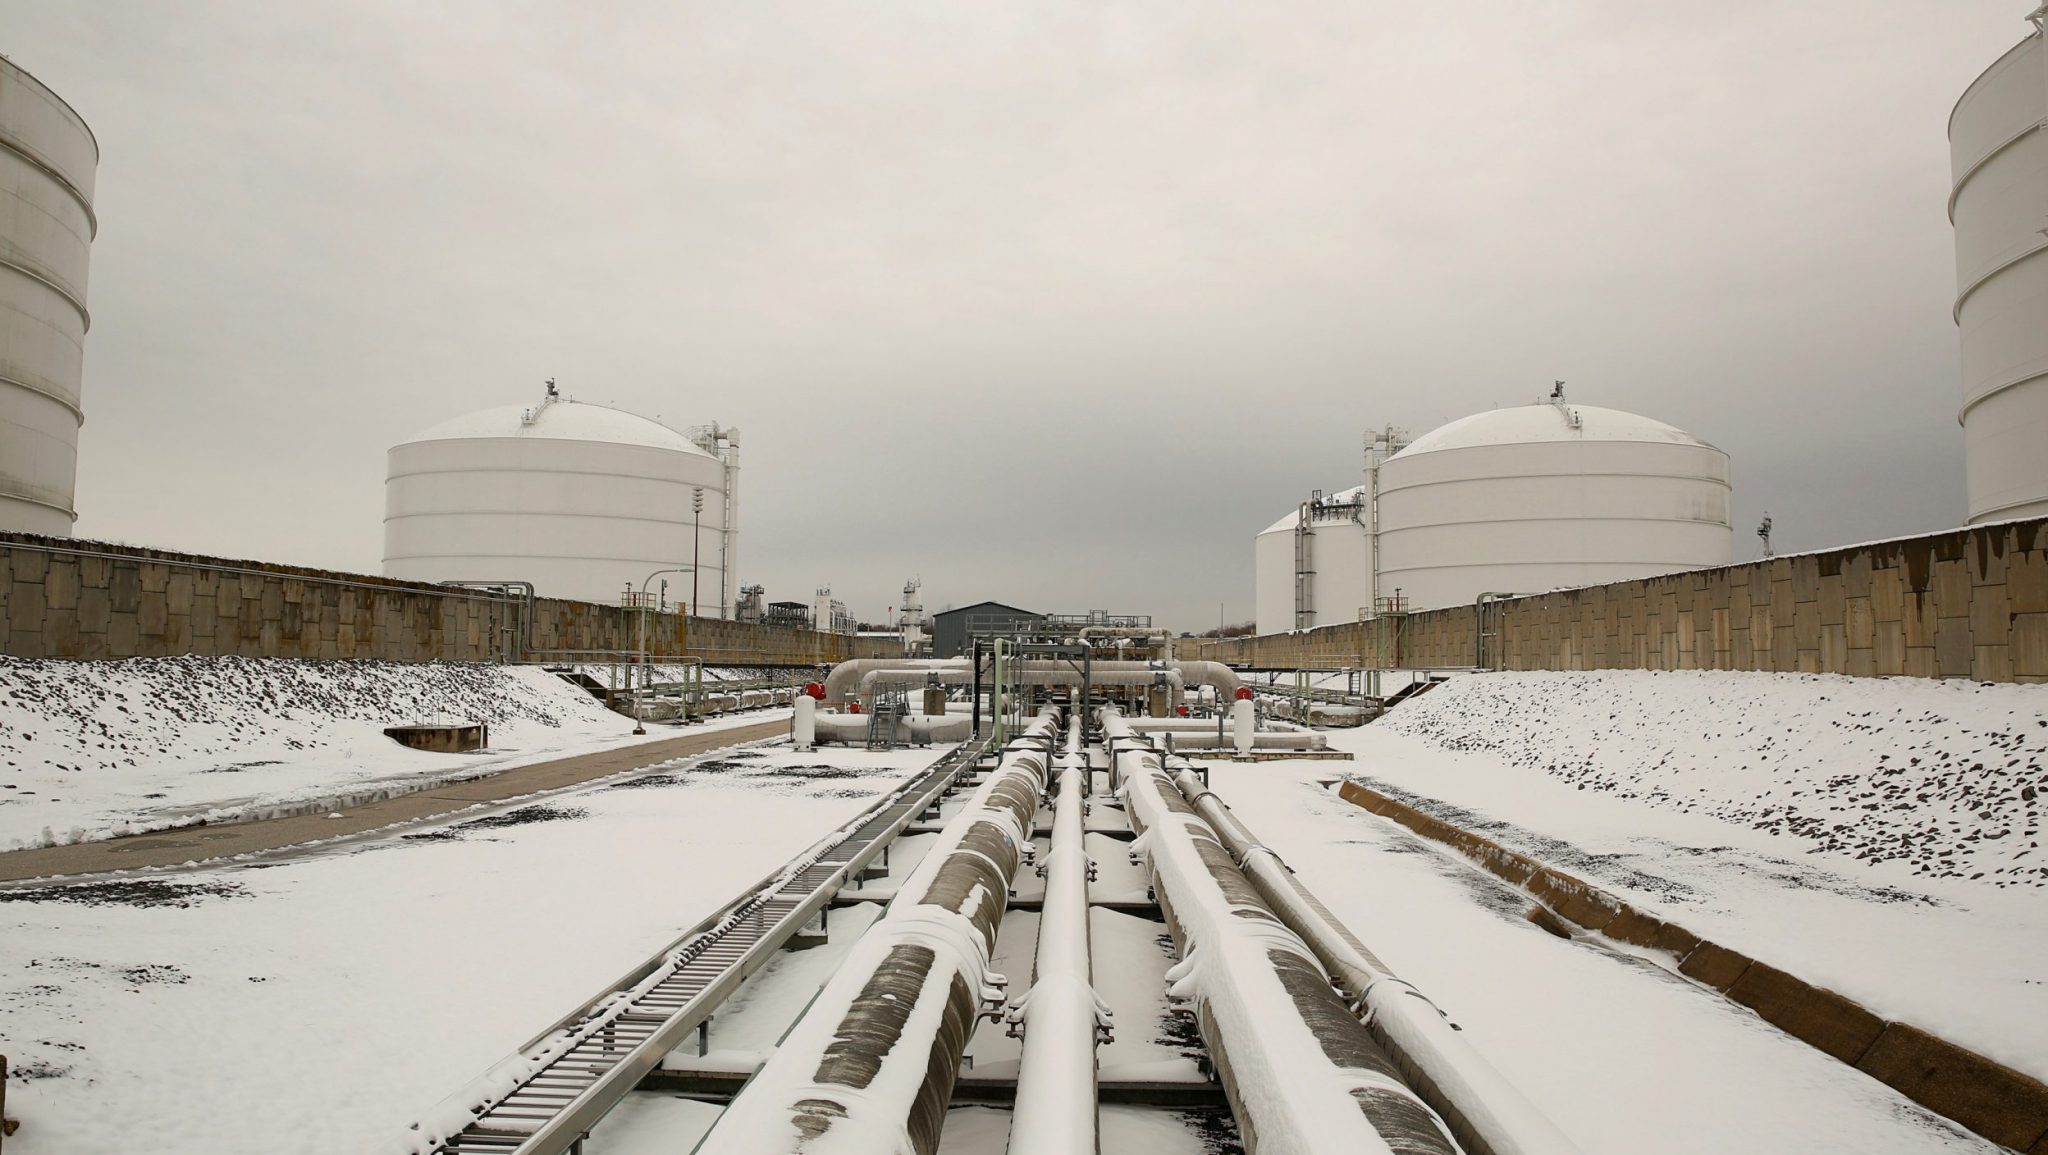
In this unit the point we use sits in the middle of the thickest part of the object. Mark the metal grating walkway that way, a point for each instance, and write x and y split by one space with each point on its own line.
565 1081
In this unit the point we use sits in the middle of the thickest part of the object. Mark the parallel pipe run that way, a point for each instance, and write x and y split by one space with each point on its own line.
921 729
1060 1017
1487 1113
1199 740
847 677
1033 673
870 1067
1301 1072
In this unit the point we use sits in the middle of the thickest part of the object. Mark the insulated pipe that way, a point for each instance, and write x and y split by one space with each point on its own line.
1023 674
1487 1114
848 675
1263 740
1216 674
1301 1072
869 1068
921 728
841 680
1165 636
868 679
1203 726
1061 1018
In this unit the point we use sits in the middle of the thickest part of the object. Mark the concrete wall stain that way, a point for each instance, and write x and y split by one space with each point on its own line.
1968 603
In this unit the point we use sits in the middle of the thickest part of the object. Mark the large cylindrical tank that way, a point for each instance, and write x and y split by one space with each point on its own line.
1999 152
1338 580
582 500
1548 496
47 158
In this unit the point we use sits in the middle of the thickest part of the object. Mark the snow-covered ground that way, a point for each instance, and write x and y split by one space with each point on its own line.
321 1004
1623 1056
1762 811
92 750
1134 954
1947 777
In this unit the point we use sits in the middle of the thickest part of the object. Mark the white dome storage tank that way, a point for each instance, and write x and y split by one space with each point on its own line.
1999 205
1337 557
47 158
582 500
1548 496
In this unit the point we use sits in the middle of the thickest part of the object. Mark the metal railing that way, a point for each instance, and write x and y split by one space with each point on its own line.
589 1060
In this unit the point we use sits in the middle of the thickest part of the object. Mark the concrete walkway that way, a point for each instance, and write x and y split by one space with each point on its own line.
202 843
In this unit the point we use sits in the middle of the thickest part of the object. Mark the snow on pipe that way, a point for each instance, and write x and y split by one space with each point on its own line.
918 728
1301 1072
848 675
843 677
1060 1017
869 1068
959 677
1206 725
1207 740
1165 636
1487 1113
1033 673
1214 674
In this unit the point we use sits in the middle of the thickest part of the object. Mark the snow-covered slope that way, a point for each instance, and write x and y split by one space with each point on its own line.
1945 778
90 749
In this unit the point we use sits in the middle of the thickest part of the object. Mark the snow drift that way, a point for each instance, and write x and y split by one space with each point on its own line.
92 749
1945 777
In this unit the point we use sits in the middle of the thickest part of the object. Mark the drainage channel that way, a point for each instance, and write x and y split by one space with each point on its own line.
545 1099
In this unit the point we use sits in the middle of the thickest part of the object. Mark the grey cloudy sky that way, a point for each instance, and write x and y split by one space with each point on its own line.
1055 302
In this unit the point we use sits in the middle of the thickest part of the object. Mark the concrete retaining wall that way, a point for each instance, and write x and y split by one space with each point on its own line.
62 598
1969 603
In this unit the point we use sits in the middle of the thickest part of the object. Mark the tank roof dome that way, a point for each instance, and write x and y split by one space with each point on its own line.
1544 421
563 420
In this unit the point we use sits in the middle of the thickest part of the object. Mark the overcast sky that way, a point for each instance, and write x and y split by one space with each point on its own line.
1050 302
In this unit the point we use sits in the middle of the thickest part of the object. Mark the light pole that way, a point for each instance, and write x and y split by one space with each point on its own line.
640 698
696 540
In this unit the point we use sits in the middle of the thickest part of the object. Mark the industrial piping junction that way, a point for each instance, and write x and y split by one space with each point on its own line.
1306 1038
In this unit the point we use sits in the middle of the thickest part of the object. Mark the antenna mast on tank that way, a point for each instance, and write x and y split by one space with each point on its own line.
1571 415
529 416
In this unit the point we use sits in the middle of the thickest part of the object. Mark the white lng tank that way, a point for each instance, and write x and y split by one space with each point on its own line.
1999 152
582 500
1548 496
47 158
1339 554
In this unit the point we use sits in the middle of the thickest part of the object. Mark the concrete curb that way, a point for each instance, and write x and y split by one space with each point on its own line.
206 844
1987 1097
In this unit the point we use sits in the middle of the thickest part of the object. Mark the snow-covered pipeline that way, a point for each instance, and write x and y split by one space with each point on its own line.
1035 673
1302 1073
869 1069
1060 1016
1488 1114
847 676
920 729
